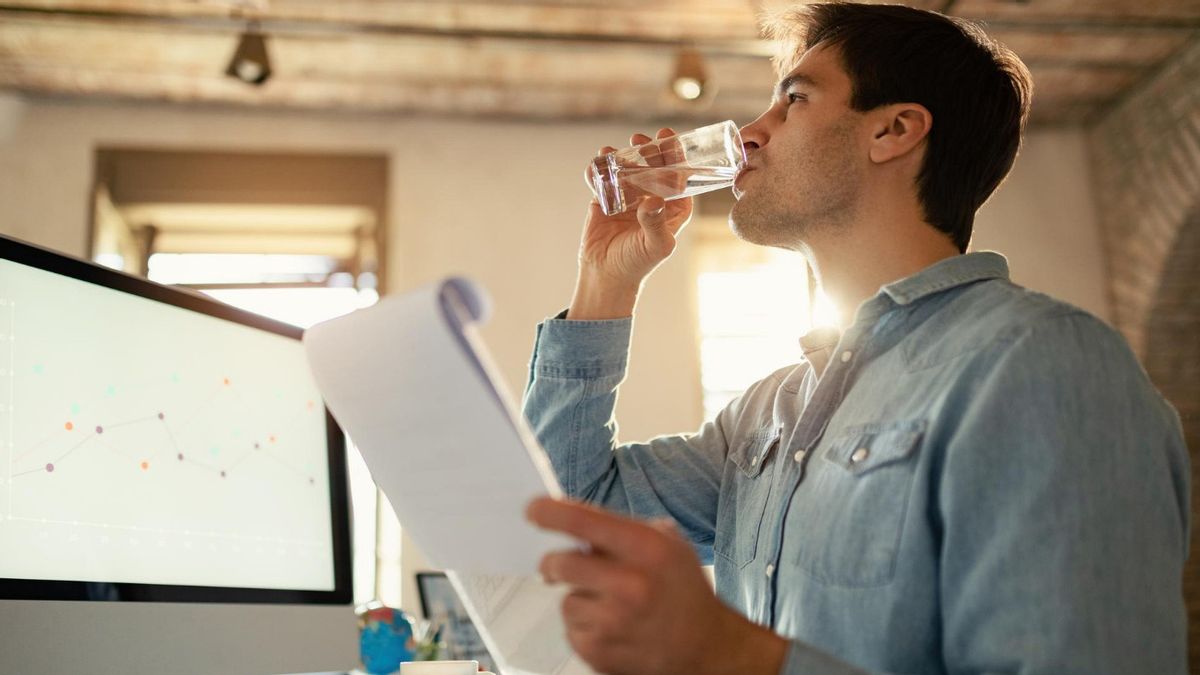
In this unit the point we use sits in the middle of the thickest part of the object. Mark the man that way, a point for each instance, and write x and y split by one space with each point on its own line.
971 478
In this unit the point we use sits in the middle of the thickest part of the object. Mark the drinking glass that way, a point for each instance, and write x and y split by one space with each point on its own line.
683 165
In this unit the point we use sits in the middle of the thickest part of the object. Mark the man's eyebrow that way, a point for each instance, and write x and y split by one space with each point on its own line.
795 78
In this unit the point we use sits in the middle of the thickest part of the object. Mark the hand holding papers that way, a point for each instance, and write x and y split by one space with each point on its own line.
414 387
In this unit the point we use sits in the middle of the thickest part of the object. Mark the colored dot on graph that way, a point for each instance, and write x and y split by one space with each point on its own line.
110 391
50 468
310 405
222 474
256 445
226 380
68 426
161 416
38 369
75 408
99 430
272 438
145 465
180 456
311 481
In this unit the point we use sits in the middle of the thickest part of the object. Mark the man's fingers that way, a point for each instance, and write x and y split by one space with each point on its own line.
650 211
577 568
594 631
596 576
624 538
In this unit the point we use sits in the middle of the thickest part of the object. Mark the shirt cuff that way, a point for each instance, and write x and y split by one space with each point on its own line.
804 659
566 348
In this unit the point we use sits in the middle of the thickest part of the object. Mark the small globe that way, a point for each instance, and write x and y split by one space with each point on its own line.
385 639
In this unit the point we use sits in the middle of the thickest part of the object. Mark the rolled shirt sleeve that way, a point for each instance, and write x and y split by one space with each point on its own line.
569 401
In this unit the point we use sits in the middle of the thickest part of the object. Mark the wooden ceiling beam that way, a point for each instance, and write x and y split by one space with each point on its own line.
1157 13
732 31
90 47
644 27
1113 47
457 98
88 44
475 99
520 59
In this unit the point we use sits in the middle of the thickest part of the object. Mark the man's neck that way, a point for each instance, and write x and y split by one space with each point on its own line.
853 263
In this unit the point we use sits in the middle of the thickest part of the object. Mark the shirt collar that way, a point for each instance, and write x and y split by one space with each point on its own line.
948 273
942 275
945 274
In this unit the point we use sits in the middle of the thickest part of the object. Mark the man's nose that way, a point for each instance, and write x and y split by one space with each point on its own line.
754 135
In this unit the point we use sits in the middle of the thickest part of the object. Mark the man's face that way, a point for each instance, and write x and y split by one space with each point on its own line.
806 157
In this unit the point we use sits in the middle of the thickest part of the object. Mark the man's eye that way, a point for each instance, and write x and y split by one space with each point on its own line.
793 97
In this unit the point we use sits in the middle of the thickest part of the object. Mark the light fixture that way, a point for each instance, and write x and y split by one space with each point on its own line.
250 63
690 79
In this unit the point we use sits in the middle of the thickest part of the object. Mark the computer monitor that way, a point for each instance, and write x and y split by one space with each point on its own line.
173 492
441 605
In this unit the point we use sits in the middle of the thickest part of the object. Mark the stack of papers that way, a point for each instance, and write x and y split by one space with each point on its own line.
413 385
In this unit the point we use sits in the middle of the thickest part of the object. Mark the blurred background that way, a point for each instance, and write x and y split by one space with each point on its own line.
300 158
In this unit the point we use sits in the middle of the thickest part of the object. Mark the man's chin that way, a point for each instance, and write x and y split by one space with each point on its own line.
742 222
753 226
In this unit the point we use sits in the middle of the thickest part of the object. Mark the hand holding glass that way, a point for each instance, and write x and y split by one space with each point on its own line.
683 165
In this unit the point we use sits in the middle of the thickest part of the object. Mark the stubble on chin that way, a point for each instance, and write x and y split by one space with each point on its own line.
821 197
764 219
748 221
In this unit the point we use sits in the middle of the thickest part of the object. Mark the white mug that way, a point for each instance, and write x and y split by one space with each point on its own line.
440 668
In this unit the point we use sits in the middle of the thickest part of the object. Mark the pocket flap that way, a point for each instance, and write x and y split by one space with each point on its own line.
861 449
753 453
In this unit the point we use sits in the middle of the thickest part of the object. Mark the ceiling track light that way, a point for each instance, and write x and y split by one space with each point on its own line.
250 62
690 79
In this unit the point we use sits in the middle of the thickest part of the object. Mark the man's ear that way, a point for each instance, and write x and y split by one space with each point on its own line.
898 129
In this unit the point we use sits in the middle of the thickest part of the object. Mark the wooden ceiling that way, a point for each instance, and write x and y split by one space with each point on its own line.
526 59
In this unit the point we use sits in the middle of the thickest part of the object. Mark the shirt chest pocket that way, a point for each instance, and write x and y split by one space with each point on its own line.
745 488
853 509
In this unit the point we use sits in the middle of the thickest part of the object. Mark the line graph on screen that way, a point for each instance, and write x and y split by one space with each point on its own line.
190 428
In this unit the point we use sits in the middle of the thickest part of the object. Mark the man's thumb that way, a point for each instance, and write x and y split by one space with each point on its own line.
652 214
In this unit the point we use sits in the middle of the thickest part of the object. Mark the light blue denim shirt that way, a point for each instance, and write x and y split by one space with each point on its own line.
974 478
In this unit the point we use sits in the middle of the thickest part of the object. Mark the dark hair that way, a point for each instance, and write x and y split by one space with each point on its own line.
977 91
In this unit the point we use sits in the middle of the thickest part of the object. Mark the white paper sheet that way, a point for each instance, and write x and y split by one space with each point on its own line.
524 627
413 385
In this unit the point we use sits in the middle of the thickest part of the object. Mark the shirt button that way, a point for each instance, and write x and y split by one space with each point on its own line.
754 461
859 455
799 456
770 569
847 355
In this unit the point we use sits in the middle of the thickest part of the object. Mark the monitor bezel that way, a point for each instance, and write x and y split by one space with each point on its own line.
31 255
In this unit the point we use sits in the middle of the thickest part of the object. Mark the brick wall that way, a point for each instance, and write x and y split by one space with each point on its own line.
1145 163
1145 159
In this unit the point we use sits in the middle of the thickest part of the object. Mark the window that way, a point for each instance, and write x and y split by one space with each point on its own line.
299 289
754 304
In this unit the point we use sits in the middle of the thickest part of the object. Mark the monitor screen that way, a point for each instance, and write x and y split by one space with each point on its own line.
158 445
